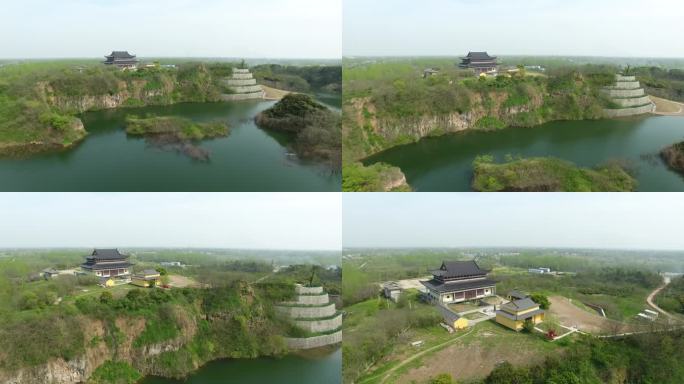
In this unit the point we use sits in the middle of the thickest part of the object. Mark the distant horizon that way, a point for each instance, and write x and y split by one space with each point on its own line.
516 248
261 28
493 53
609 28
167 247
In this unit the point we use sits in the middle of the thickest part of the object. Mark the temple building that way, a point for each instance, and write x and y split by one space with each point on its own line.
514 314
109 265
480 62
121 59
457 281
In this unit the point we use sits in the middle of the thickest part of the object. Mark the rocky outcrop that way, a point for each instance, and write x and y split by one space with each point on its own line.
243 86
312 311
628 97
97 352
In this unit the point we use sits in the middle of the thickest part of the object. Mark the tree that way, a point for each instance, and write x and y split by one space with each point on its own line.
540 299
528 326
162 271
106 297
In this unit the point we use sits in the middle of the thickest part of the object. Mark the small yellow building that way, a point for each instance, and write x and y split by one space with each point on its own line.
453 319
514 314
146 278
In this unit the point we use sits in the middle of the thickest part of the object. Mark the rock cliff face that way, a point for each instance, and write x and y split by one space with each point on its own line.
383 132
97 351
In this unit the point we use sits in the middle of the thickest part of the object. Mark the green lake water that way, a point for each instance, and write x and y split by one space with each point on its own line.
249 159
292 369
445 163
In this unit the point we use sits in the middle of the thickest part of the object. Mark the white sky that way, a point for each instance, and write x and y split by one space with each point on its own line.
582 220
178 28
620 28
298 221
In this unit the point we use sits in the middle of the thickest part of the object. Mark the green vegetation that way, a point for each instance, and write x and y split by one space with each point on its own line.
547 174
65 316
674 156
378 177
300 78
661 82
671 299
371 329
115 372
39 101
317 128
181 128
406 107
648 358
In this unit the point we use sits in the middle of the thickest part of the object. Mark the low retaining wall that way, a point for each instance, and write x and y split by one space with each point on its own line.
240 70
316 326
234 83
247 89
308 290
624 92
307 312
311 299
627 85
242 96
314 342
623 112
632 102
625 78
237 76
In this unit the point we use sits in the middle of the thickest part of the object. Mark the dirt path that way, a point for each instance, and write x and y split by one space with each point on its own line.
667 107
273 93
649 299
415 356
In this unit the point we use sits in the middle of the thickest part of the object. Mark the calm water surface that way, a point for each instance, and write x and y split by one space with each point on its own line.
445 163
292 369
249 159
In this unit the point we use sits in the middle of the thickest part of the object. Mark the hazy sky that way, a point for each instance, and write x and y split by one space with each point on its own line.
648 28
583 220
207 28
304 221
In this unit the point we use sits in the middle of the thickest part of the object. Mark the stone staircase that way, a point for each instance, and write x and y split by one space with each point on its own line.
629 96
243 85
312 311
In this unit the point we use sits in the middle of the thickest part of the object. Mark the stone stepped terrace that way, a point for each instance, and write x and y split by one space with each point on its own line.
312 311
243 85
629 97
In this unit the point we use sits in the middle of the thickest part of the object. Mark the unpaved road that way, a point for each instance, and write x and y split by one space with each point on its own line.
667 107
649 299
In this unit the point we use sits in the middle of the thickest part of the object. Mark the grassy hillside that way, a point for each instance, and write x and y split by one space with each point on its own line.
548 174
39 101
306 79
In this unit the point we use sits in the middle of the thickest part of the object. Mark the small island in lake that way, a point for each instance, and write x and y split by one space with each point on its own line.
176 133
547 174
316 127
673 156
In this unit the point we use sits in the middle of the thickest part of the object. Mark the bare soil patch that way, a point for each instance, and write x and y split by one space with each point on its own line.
273 93
667 107
179 281
570 315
